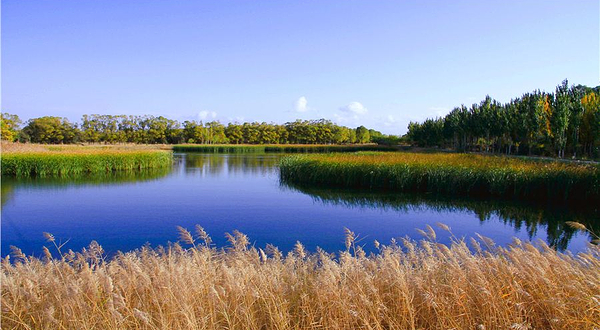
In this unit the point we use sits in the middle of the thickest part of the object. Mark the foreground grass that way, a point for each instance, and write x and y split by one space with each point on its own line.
412 285
47 161
459 174
280 148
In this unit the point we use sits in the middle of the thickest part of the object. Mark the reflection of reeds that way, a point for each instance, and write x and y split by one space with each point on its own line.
9 184
456 174
529 216
85 161
96 178
302 148
411 285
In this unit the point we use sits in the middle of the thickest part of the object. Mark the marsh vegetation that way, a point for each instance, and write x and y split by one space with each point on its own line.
64 161
455 174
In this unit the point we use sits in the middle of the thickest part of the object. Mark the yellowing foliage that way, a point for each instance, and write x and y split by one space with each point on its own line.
547 113
590 126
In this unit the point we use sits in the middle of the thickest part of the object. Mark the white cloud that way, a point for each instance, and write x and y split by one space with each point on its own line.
440 111
207 115
354 108
301 104
389 121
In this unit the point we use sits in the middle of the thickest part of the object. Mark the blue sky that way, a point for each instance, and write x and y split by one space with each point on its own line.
377 63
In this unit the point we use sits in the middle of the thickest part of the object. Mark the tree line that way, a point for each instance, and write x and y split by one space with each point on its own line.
152 130
563 122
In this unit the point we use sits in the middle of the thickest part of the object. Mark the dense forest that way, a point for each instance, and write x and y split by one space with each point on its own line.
149 129
565 122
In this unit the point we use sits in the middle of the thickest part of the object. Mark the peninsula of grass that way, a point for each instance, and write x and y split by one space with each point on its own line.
405 285
277 148
79 161
454 174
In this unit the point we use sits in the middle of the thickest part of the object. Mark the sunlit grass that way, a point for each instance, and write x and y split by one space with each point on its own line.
406 285
461 174
68 161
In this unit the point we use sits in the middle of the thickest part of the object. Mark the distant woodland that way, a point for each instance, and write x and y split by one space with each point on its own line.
560 123
149 130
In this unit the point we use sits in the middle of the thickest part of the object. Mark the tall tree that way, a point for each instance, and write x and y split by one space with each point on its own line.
561 116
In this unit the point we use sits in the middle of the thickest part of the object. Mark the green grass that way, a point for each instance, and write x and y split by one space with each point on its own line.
454 174
276 148
326 148
64 164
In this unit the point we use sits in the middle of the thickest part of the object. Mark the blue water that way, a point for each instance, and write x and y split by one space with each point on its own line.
226 192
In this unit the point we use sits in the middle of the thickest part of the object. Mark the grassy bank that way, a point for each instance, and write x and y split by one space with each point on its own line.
458 174
277 148
409 285
60 161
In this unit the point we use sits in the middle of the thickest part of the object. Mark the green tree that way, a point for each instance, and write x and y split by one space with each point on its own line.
51 130
234 133
362 134
561 116
590 123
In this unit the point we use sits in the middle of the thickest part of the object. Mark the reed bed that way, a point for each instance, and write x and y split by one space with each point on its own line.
406 285
77 161
326 148
300 148
456 174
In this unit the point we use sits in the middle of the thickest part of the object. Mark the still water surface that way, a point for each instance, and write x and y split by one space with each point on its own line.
226 192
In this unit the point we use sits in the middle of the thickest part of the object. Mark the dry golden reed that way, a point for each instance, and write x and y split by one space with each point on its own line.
406 285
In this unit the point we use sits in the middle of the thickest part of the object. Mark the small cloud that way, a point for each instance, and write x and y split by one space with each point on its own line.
390 121
355 108
301 104
346 119
440 111
207 115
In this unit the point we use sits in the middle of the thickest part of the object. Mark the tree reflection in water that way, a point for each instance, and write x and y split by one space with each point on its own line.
515 214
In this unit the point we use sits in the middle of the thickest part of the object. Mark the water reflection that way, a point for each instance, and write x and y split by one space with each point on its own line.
10 184
213 165
225 192
518 215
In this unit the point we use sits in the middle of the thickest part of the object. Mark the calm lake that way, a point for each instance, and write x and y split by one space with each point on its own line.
224 192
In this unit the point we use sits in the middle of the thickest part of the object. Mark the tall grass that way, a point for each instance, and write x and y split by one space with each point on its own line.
326 148
406 285
69 163
458 174
300 148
